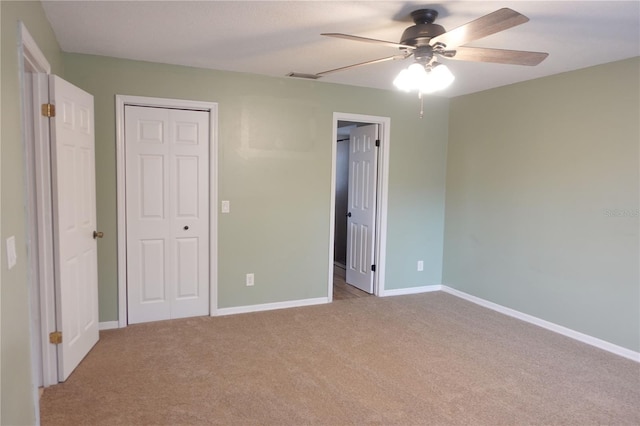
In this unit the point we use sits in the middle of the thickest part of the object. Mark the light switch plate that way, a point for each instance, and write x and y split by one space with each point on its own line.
12 257
226 206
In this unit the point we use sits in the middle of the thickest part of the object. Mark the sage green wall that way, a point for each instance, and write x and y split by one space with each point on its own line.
275 137
542 199
18 406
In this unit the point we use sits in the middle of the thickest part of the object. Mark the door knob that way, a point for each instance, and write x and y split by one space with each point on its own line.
97 234
349 214
185 228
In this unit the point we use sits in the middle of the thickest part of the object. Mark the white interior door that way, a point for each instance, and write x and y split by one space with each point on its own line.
363 165
74 217
167 213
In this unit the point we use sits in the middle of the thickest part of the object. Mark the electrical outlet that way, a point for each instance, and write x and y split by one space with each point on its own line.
420 266
249 280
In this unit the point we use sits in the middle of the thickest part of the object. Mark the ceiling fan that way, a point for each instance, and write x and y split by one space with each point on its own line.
426 41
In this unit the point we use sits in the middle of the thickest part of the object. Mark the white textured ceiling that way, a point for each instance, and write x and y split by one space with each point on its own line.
276 37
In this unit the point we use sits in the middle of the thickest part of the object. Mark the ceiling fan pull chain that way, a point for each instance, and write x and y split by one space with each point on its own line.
421 104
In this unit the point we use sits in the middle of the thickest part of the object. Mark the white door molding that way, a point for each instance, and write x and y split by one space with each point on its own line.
32 72
35 129
381 199
30 51
212 109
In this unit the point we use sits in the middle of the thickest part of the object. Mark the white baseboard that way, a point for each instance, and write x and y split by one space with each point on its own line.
584 338
411 290
270 306
108 325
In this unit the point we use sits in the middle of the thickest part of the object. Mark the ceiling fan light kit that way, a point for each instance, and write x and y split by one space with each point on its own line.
426 41
424 78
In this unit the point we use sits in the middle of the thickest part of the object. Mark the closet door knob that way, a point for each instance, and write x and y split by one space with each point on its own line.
185 227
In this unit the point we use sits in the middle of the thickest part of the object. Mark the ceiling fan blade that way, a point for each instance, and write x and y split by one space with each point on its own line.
500 56
368 40
375 61
484 26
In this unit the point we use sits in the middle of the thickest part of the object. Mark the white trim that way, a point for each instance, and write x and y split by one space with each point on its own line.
38 172
576 335
272 306
212 108
30 51
108 325
412 290
381 200
45 233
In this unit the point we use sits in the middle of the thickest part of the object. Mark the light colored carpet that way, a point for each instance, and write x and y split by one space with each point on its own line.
407 360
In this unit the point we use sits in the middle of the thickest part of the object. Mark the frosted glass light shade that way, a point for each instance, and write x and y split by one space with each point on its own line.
409 79
417 78
440 78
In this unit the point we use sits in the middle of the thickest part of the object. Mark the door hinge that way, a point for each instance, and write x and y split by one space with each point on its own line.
377 142
49 110
55 337
373 268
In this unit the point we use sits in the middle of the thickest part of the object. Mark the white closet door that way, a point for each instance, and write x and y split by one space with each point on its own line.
167 196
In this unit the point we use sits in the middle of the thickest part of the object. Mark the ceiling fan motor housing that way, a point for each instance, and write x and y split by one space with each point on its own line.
424 29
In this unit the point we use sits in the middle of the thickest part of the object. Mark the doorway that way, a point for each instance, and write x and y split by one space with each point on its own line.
34 72
359 205
196 227
58 139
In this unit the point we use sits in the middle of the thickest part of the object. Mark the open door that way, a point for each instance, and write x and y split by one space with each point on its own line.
361 226
74 223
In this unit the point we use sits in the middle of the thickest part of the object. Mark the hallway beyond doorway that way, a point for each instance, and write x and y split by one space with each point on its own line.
342 290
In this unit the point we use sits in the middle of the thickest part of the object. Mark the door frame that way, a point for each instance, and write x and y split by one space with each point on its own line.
38 179
382 190
212 109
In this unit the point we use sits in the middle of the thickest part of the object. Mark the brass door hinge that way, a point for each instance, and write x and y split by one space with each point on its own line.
49 110
55 337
